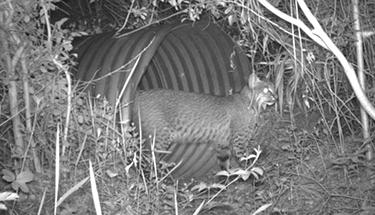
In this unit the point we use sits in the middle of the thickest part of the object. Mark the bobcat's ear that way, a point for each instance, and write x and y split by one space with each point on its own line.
253 80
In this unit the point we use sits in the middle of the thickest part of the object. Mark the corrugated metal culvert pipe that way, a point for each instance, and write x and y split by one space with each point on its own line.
193 57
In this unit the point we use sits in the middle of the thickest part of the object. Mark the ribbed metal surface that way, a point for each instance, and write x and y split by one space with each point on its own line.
101 56
197 159
189 57
197 60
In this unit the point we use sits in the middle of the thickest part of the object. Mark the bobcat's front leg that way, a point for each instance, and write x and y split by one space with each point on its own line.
223 157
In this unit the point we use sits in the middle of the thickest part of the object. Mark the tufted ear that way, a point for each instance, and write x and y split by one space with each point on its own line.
253 80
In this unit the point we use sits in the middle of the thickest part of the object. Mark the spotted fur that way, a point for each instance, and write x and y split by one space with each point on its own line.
193 120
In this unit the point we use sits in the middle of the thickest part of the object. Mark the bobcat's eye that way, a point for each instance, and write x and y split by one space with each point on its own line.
265 90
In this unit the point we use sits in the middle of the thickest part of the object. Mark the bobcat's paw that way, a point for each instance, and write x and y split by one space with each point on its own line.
223 158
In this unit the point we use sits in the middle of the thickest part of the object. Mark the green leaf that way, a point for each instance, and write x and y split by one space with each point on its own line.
8 175
8 196
258 170
355 159
26 19
16 185
201 186
216 185
57 112
223 173
245 176
262 208
25 177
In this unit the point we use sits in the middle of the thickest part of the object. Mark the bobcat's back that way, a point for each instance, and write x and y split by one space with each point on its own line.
197 128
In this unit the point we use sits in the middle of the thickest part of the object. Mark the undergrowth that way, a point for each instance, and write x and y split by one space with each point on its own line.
313 158
301 173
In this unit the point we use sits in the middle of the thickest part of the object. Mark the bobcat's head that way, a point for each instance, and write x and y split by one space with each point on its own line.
261 93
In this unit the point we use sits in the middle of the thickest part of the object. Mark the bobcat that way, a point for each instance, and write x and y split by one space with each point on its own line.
198 128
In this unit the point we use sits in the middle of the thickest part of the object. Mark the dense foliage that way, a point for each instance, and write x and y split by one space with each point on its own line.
318 167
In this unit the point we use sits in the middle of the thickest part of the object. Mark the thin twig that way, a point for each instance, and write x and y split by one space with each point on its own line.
67 75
